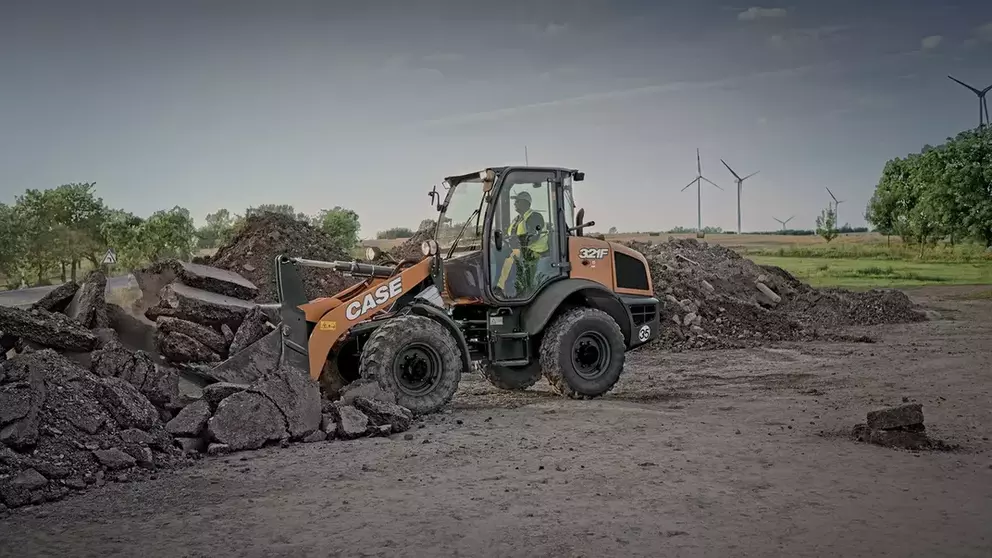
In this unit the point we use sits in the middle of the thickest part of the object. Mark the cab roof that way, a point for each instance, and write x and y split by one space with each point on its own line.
454 180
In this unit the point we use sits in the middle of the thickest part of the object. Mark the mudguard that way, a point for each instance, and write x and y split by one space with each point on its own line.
537 315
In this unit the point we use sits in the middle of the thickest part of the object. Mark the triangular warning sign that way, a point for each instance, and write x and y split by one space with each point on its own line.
111 257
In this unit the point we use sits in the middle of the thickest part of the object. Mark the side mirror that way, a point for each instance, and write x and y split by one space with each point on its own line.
498 240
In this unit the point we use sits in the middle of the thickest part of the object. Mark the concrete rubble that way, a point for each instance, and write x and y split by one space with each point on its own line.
91 392
897 427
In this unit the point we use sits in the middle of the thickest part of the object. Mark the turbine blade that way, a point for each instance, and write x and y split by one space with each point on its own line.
987 89
975 91
832 195
711 182
694 180
730 169
699 165
750 175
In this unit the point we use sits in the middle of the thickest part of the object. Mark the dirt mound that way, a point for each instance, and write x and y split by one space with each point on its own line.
253 250
410 250
713 297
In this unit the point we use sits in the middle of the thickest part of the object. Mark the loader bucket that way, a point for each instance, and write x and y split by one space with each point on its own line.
257 360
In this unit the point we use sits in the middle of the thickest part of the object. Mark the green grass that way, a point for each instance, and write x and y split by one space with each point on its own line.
868 273
962 253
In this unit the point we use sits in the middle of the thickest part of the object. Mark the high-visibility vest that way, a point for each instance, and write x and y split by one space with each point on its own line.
540 244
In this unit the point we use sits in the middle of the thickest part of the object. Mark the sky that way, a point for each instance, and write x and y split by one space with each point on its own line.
367 105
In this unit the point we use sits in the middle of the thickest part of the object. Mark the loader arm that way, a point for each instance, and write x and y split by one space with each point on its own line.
315 327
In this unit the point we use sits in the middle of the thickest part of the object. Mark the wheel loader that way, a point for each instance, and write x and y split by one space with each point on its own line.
508 284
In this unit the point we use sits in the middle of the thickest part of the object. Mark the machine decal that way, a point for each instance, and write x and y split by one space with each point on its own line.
375 299
645 333
593 253
327 326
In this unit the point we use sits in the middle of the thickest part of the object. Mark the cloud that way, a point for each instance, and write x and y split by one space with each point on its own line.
618 94
755 13
794 37
443 57
549 30
984 32
931 42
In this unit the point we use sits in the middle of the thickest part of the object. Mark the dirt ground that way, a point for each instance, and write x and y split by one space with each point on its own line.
704 453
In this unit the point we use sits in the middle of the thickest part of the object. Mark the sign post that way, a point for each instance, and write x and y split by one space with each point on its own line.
108 260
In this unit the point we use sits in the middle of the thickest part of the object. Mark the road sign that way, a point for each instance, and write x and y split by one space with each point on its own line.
110 258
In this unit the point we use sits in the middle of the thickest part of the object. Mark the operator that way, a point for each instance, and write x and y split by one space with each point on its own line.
528 238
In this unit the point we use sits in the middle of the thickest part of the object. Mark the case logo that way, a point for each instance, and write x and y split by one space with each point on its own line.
383 294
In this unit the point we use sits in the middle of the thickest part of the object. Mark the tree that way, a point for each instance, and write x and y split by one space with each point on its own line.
168 234
39 232
78 215
427 224
342 225
613 230
395 232
826 224
123 231
218 230
11 247
940 192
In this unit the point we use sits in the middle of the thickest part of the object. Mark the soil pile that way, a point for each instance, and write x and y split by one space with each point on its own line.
253 250
410 250
712 297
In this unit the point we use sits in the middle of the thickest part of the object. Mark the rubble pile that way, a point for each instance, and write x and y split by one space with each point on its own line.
282 407
411 248
897 427
201 314
252 252
92 393
64 429
712 297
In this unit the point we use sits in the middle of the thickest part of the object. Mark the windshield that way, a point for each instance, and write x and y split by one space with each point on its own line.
463 219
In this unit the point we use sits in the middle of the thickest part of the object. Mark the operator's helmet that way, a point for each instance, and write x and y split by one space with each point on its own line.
521 196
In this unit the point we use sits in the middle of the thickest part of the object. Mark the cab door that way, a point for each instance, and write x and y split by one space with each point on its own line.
526 247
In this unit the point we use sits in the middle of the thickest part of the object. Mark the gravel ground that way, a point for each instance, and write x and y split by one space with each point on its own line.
702 453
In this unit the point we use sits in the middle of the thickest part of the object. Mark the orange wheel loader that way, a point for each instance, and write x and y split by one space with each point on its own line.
508 284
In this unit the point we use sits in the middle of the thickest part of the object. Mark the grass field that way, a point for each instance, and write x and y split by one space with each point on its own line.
867 273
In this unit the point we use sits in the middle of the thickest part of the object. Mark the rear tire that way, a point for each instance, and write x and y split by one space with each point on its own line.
416 358
516 378
583 353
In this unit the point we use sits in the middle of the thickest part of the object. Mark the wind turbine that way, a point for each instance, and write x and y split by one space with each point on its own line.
983 106
699 193
740 181
837 202
783 222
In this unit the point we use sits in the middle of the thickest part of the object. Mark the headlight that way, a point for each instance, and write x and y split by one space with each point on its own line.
371 253
429 247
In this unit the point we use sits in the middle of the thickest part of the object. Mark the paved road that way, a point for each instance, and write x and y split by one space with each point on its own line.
27 297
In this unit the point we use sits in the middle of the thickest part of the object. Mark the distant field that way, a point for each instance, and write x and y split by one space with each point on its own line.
867 273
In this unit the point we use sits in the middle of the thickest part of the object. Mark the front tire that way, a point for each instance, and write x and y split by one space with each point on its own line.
416 358
583 353
516 378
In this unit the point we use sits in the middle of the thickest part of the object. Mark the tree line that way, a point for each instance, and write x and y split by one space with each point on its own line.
52 234
942 193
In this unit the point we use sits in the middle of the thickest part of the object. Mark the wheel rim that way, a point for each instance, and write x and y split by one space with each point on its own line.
590 355
417 369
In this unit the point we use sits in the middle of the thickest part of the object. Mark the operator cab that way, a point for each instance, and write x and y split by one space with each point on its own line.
526 213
